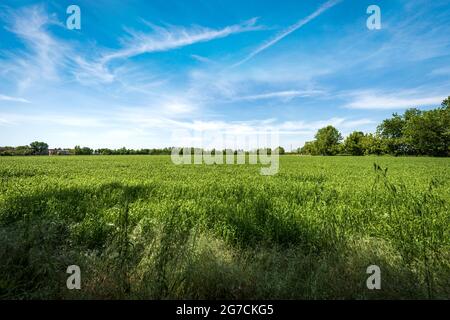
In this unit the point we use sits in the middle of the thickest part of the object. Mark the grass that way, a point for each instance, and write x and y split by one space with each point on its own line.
142 228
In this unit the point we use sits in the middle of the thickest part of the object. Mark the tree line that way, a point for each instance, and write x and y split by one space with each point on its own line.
35 148
414 132
41 148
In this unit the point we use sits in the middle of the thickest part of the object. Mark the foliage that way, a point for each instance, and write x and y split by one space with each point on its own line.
428 133
39 148
144 228
415 132
327 140
354 143
83 151
280 150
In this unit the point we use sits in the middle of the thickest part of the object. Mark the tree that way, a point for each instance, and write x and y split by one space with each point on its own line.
391 128
310 148
372 144
392 132
23 151
39 148
446 103
6 151
417 132
280 150
429 132
83 151
104 151
353 143
266 151
327 140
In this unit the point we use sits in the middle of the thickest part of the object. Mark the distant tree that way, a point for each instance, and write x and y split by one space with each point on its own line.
417 132
77 150
87 151
391 133
23 151
39 148
83 151
428 133
267 151
446 103
280 150
391 128
7 151
104 151
310 148
327 140
353 144
372 144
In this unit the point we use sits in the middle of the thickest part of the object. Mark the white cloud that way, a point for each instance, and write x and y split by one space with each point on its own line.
49 58
173 37
381 100
284 95
13 99
45 53
200 58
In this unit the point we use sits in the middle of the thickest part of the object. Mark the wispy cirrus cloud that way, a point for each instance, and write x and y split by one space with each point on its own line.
324 7
47 56
13 99
369 99
78 81
173 37
44 54
283 95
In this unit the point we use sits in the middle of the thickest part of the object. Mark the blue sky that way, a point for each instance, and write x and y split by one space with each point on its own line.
139 71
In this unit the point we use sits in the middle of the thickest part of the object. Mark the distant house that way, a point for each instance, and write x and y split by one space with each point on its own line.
58 152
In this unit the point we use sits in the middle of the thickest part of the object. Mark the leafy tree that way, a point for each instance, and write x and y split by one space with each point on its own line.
310 148
6 151
87 151
446 103
391 128
104 151
354 143
327 140
392 132
83 151
267 151
429 132
280 150
23 151
372 144
39 148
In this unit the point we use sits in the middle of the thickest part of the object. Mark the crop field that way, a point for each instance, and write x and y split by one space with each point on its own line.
141 227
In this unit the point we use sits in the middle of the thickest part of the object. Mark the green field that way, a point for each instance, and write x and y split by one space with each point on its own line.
140 227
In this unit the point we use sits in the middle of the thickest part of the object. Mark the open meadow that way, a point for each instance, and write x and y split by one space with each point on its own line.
141 227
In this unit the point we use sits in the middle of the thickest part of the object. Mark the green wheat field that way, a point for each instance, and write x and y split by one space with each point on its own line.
141 227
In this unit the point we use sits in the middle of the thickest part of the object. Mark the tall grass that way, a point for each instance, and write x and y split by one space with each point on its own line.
140 227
